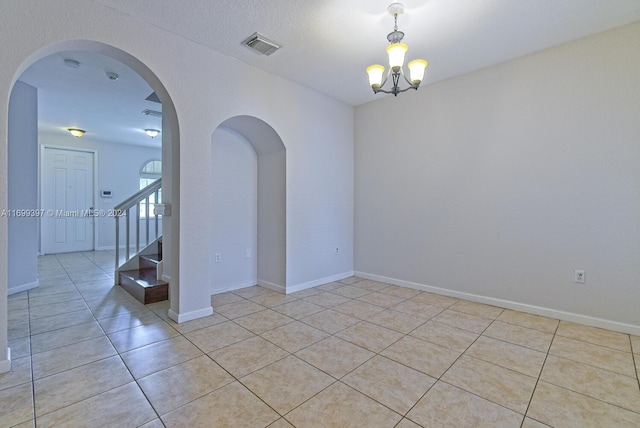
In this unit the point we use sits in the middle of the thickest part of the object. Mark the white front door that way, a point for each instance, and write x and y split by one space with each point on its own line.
67 201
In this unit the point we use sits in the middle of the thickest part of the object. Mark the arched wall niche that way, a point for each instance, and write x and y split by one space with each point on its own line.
268 225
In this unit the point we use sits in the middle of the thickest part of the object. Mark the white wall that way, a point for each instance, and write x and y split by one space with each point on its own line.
234 211
207 88
502 182
23 188
118 170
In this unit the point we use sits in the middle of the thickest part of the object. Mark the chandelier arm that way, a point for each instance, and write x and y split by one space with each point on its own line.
409 81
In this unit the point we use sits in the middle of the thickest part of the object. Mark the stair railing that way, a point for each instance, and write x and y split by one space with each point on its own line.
124 208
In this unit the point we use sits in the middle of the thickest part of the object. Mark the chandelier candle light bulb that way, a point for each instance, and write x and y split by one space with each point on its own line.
396 52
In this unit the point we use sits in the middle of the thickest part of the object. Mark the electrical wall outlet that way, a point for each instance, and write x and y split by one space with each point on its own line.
218 257
337 251
578 276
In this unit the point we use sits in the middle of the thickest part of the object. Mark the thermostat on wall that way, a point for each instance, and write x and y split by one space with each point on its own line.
105 193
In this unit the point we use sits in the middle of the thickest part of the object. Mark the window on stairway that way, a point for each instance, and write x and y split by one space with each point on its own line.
150 172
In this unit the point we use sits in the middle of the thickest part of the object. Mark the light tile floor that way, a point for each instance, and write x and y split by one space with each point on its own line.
350 353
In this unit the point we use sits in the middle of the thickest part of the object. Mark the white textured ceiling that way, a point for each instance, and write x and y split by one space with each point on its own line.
327 44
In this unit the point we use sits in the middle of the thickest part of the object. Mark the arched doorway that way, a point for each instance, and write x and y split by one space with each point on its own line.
249 206
169 143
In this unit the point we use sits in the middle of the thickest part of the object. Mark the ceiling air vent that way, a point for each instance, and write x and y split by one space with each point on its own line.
261 44
155 113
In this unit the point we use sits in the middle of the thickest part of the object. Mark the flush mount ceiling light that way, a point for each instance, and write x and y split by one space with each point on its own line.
112 76
396 51
71 63
152 132
76 132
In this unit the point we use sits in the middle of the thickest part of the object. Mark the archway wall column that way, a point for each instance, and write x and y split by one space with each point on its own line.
206 88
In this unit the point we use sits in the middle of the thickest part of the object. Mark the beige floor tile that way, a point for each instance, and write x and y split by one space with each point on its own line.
65 388
173 387
124 406
351 280
596 336
29 424
53 309
20 373
328 287
217 336
126 340
559 407
380 299
418 309
259 322
239 309
404 292
358 309
445 335
447 406
287 383
330 321
281 423
112 309
478 309
394 320
58 360
20 316
294 336
406 423
218 300
335 356
530 338
435 299
17 405
65 336
497 384
159 356
273 298
531 423
423 356
156 423
517 358
230 406
344 407
17 304
594 355
306 293
253 291
464 321
635 344
127 321
326 299
370 336
597 383
104 295
20 347
247 356
368 284
54 298
299 309
15 331
43 325
350 291
536 322
392 384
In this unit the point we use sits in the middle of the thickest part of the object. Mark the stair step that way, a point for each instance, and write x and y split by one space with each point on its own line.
144 286
149 260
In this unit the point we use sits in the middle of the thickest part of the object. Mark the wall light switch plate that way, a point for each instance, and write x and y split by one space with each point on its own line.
578 276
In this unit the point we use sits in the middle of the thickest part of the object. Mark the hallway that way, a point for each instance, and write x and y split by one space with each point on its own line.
350 353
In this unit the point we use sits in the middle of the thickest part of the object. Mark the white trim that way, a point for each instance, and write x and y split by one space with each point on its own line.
508 304
23 287
233 287
166 278
320 281
188 316
5 365
272 286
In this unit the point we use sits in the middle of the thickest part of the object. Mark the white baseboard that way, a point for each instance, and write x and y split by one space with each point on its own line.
166 278
233 287
5 365
23 287
188 316
271 286
316 282
507 304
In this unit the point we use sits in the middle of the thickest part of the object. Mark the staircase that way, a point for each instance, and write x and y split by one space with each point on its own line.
143 283
140 273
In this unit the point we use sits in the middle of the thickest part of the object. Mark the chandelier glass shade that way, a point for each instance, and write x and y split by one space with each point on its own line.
396 52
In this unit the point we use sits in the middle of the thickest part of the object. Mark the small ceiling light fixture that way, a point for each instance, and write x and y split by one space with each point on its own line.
71 63
153 133
112 76
76 132
396 51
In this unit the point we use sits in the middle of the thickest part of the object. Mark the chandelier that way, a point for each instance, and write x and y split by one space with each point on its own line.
396 51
